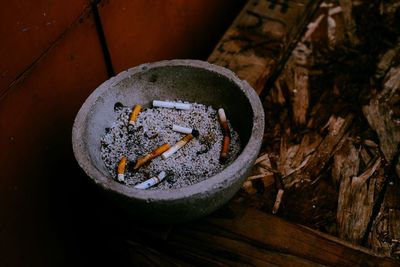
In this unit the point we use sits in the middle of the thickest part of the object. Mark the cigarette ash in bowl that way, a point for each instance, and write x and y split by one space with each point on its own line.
189 80
155 142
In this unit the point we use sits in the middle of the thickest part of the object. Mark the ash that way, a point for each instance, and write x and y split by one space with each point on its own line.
195 162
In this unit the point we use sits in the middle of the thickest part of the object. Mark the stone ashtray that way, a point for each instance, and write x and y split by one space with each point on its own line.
186 80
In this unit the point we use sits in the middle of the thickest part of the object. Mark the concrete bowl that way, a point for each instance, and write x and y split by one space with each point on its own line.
187 80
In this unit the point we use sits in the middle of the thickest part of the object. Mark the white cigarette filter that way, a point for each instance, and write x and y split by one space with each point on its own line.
177 146
168 104
121 177
221 114
186 130
152 181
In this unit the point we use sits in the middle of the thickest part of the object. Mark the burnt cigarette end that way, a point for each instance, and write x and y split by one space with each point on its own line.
118 106
186 130
222 159
131 128
195 133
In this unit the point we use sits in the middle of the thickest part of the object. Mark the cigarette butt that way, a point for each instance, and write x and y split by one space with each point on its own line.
186 130
135 112
152 181
224 123
121 169
225 148
168 104
177 146
227 135
277 201
156 152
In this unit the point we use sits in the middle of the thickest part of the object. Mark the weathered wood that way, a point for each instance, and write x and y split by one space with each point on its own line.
385 235
358 177
142 255
350 25
271 232
383 113
241 236
302 99
346 163
357 194
260 38
337 127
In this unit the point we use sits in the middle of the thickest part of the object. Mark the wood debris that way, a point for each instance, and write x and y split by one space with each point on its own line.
333 134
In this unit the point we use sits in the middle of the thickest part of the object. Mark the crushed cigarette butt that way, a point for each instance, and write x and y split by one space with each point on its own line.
227 135
135 112
186 130
121 169
152 181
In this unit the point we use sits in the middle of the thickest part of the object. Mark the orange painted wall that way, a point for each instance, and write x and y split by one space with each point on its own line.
49 214
27 29
150 30
37 166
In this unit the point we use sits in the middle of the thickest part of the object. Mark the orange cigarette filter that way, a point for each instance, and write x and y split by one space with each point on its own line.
155 153
227 135
186 138
135 112
121 169
225 149
121 165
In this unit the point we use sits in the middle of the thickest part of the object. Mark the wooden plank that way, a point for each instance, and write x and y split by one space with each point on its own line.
274 233
38 170
253 238
261 38
27 30
231 249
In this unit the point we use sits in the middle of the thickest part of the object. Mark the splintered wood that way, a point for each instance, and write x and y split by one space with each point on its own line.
330 157
260 37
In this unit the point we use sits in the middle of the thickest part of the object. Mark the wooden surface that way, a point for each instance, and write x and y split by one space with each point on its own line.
258 42
242 236
331 136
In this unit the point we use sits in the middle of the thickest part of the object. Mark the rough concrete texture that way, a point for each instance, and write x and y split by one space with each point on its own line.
186 80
